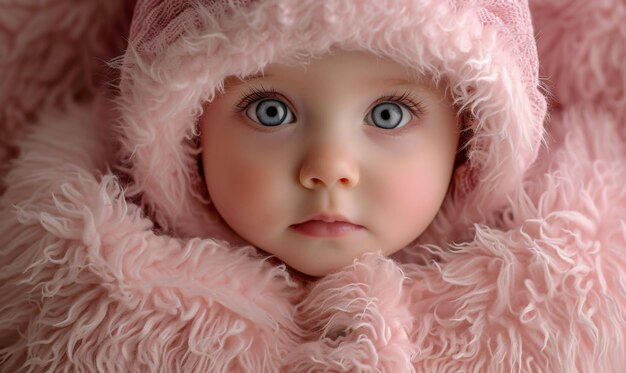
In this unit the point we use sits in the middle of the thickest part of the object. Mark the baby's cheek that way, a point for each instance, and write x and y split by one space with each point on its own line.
247 193
415 197
403 191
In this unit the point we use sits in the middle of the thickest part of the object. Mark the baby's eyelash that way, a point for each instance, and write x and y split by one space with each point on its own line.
415 106
255 94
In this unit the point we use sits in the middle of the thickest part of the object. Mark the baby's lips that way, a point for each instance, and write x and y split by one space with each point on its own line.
328 218
318 228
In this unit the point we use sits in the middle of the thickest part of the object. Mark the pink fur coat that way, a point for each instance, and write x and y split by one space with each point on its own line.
87 285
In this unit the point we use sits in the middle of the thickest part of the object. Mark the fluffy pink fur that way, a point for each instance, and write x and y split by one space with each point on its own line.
86 285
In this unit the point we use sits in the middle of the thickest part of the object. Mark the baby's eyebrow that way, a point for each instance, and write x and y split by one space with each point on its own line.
396 81
234 81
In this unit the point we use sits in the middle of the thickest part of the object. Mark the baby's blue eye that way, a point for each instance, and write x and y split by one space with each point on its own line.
270 112
388 115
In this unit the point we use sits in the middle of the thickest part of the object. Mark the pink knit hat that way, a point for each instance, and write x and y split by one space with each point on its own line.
181 51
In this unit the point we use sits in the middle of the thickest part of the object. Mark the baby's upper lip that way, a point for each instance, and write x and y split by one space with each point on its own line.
328 218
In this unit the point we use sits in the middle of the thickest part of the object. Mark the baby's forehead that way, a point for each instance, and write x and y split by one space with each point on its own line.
349 63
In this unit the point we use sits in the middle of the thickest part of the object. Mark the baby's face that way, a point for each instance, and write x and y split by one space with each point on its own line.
320 163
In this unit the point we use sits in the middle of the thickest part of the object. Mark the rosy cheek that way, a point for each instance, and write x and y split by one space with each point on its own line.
236 185
414 198
245 190
407 190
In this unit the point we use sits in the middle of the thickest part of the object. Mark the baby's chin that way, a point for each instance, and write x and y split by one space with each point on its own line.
328 264
306 271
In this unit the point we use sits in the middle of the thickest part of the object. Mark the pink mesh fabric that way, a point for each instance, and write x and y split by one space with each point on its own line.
155 17
515 24
158 23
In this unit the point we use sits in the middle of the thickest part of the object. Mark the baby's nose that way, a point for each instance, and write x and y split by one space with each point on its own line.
329 164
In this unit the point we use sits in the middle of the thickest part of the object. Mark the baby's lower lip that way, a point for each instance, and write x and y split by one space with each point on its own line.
318 228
